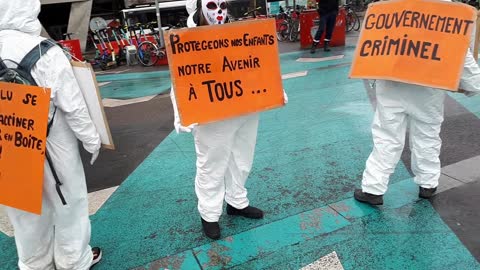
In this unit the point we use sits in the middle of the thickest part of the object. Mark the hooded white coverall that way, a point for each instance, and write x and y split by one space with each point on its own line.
421 109
225 151
60 236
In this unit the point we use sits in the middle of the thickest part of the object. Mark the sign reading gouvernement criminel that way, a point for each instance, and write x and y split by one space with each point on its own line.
421 42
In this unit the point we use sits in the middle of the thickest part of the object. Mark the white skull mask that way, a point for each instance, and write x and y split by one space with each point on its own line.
215 11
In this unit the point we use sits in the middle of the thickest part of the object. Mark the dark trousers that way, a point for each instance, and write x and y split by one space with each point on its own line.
326 21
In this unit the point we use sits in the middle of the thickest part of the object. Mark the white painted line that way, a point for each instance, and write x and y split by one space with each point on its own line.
465 171
111 72
121 71
445 183
95 201
313 60
98 198
103 83
294 75
108 102
328 262
5 226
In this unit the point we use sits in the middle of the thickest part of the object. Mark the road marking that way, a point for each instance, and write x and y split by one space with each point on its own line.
5 226
328 262
103 83
321 59
98 198
95 201
294 75
108 102
111 72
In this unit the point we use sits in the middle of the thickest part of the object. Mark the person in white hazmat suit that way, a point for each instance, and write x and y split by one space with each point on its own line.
225 149
421 109
59 237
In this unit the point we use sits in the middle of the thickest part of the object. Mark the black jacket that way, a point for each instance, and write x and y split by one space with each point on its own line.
327 6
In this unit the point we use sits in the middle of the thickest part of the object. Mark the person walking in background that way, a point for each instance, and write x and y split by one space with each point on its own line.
328 11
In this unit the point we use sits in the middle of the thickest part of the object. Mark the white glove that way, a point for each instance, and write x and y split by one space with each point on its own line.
179 128
94 156
285 97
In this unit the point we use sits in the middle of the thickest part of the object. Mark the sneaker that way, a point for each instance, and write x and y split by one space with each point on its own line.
426 193
211 229
248 212
97 256
364 197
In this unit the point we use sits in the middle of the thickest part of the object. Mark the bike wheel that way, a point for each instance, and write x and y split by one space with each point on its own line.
295 31
282 32
147 53
350 21
358 24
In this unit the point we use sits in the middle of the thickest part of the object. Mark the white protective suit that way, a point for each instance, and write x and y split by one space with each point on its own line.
421 109
225 151
59 238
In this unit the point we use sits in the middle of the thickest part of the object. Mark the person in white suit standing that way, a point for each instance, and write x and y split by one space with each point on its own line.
225 149
59 237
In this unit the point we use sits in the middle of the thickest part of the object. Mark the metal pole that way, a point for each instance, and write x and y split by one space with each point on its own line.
159 21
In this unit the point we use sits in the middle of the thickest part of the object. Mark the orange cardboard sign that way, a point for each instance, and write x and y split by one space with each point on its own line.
224 71
421 42
23 130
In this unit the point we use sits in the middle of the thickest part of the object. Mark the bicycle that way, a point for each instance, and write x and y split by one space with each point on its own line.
151 51
144 48
290 26
352 19
295 27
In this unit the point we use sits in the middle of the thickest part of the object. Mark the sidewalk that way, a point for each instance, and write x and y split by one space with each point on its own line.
309 158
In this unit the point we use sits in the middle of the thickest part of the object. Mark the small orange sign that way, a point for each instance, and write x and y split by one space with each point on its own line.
23 130
224 71
421 42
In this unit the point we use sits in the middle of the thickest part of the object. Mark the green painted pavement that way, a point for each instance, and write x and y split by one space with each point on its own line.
309 154
410 237
8 253
134 85
251 244
402 234
185 260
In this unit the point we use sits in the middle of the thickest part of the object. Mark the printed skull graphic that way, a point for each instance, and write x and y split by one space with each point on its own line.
215 11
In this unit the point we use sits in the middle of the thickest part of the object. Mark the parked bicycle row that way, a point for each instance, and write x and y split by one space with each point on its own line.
115 46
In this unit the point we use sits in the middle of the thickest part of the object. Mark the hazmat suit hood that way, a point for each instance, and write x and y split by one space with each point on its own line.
20 16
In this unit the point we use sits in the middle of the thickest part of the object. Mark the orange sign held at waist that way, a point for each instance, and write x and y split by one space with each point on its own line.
224 71
421 42
23 131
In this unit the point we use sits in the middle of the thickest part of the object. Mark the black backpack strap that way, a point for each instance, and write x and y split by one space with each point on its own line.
26 65
32 57
55 176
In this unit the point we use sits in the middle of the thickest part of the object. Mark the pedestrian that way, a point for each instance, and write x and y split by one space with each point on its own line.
328 11
225 149
421 109
59 237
